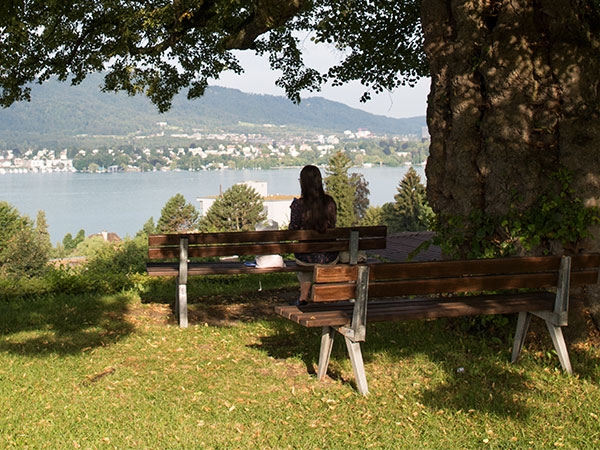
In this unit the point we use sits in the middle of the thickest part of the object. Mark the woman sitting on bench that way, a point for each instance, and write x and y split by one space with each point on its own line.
314 210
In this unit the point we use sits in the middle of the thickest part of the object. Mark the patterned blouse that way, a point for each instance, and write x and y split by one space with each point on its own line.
297 223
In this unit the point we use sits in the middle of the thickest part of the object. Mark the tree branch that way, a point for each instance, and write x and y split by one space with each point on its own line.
268 14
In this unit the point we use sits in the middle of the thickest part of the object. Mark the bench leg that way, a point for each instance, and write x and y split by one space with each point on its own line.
177 299
327 335
181 305
357 365
561 347
520 333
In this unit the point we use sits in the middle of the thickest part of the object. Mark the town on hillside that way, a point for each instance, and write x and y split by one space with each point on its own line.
214 151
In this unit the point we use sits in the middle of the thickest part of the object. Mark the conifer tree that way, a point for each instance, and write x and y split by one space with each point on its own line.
338 185
410 212
22 253
10 222
361 195
67 242
148 228
177 216
42 234
373 216
79 237
390 218
240 208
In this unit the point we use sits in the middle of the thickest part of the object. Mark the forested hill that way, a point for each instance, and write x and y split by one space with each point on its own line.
59 112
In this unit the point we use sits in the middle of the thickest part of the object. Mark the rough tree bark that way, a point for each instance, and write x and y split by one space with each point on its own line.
514 95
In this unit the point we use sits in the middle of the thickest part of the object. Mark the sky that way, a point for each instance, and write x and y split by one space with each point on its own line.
258 78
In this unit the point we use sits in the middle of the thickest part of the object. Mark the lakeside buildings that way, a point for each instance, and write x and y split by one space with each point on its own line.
43 161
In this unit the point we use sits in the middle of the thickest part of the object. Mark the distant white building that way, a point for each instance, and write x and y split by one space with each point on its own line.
276 207
258 186
205 204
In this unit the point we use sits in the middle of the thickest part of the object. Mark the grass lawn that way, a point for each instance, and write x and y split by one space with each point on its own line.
95 372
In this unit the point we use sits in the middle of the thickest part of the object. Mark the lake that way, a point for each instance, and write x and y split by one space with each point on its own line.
123 202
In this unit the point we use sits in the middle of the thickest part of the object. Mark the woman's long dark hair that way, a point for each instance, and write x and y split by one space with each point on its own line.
319 210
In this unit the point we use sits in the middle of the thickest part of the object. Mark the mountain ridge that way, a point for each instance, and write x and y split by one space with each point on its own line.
59 112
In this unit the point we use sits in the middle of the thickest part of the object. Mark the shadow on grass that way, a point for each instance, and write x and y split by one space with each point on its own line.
224 309
62 324
291 340
475 369
488 382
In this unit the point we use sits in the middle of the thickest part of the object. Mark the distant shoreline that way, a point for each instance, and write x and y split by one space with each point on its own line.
4 171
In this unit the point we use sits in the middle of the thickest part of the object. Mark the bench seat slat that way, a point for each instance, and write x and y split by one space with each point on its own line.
410 309
409 306
166 269
220 268
410 302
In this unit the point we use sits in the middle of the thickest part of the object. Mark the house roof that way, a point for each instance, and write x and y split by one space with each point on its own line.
108 236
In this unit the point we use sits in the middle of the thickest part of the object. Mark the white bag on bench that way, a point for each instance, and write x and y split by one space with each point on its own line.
264 261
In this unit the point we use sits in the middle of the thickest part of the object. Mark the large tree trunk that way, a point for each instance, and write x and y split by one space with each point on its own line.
514 96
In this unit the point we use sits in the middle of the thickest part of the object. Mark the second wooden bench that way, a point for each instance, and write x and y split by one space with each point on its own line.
345 298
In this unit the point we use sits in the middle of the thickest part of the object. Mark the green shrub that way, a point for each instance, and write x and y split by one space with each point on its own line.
109 269
23 287
24 248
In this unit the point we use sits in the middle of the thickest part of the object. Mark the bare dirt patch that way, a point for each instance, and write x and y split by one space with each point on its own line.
228 311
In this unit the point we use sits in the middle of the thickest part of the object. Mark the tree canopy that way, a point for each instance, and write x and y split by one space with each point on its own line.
177 216
338 185
158 48
361 195
240 208
24 245
410 211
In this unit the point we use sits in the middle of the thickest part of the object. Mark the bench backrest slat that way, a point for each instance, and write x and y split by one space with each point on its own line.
263 249
238 237
457 285
425 278
166 246
437 269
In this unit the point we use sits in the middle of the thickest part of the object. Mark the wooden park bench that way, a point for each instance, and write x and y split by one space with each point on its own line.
184 246
536 286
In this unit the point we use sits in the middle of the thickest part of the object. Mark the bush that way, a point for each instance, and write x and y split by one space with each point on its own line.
110 269
24 249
